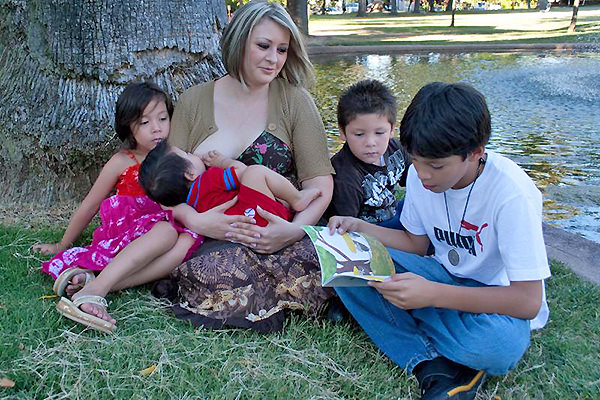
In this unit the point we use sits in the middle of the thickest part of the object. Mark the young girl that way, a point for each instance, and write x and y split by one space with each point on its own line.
138 241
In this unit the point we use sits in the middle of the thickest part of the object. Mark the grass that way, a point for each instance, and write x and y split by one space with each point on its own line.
49 357
491 27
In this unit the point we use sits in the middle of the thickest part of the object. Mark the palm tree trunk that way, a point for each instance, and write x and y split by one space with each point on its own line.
63 65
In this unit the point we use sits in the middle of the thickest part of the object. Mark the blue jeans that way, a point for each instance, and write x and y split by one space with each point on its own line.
490 342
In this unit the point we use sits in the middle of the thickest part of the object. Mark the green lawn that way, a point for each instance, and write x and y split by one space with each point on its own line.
473 27
49 357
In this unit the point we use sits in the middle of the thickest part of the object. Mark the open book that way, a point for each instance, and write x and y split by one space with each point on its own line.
351 259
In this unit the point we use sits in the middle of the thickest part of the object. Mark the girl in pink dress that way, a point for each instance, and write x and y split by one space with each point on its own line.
138 241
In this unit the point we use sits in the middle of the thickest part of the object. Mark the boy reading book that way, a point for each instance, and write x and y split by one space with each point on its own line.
468 310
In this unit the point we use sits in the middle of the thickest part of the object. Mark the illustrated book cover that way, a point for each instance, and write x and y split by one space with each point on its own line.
349 259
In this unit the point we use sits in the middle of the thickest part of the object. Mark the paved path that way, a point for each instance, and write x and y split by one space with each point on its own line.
579 254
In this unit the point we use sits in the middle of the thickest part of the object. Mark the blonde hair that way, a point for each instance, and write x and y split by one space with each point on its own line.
297 69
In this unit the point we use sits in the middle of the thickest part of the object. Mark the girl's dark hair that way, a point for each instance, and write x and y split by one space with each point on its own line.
445 119
130 107
162 175
366 97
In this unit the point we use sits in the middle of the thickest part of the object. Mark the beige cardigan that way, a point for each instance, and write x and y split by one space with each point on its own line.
292 117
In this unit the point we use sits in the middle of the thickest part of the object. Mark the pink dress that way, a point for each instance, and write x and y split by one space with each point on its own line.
124 217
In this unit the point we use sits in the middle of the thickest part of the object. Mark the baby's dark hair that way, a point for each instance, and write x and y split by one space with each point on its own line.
366 97
130 107
445 119
162 175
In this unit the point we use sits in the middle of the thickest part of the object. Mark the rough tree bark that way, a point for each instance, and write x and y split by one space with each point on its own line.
573 23
63 65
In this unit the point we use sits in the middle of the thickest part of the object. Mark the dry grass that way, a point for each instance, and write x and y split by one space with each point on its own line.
34 216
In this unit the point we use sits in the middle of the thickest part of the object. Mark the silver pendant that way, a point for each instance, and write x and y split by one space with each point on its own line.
453 257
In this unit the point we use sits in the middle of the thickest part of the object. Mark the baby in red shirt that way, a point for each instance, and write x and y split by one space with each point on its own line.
171 176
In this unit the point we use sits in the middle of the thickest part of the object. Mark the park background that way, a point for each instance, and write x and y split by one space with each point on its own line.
56 131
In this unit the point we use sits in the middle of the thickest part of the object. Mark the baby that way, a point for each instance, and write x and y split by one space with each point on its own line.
171 176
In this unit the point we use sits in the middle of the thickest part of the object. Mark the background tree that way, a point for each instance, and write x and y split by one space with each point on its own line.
574 17
453 11
299 12
62 66
417 8
362 8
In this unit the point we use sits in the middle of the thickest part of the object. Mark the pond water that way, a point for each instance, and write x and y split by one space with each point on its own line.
545 111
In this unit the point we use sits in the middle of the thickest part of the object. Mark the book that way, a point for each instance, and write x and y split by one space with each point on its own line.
349 259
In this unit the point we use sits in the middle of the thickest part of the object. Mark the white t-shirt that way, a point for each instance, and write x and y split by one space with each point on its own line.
502 238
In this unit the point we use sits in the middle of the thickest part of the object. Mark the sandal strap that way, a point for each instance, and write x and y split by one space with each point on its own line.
93 299
89 276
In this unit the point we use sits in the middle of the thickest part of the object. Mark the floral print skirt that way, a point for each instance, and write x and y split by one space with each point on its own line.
227 284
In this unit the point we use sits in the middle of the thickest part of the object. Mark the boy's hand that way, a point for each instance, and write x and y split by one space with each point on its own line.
344 224
47 249
407 291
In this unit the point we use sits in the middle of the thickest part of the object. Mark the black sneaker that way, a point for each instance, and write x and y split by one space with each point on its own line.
442 379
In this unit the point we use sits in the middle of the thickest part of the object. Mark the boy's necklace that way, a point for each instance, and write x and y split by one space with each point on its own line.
453 256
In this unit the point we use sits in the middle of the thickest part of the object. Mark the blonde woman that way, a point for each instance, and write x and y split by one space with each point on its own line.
258 113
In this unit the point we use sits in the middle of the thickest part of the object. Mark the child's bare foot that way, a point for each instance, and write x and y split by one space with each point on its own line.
94 309
215 158
306 196
76 284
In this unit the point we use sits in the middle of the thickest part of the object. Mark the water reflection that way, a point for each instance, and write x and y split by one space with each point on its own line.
545 115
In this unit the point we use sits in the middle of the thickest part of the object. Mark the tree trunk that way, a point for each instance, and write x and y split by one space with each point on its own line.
299 12
394 7
362 8
449 5
543 5
453 11
529 4
574 17
417 8
63 65
431 5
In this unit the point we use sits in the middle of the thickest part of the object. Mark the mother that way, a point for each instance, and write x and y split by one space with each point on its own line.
259 113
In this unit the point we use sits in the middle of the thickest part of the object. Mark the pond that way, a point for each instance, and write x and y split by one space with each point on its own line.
545 112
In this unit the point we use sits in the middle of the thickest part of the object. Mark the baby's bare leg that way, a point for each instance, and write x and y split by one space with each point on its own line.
270 183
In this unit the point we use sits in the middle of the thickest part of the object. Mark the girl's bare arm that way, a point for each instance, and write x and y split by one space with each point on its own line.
102 187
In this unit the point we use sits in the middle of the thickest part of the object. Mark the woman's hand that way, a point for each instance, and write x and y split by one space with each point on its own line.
344 224
278 234
214 223
407 291
47 249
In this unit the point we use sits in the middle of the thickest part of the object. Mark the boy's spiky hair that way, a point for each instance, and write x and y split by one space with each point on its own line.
366 97
445 119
